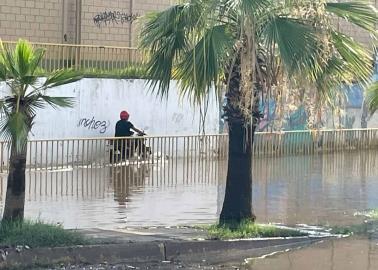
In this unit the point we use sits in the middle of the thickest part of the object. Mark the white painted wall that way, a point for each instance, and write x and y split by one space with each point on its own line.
103 99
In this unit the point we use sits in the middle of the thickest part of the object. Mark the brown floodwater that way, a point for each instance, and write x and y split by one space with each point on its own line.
319 189
316 190
341 254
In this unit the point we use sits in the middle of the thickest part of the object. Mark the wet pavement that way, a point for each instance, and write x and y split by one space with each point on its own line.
342 254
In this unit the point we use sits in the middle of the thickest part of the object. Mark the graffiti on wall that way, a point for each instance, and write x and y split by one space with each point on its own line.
354 95
92 124
268 109
115 17
177 118
297 120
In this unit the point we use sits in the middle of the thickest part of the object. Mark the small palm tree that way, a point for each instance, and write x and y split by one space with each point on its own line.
27 93
250 47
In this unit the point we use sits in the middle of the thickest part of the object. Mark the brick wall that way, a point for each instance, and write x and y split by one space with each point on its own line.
115 32
357 33
54 21
106 32
143 7
35 20
70 22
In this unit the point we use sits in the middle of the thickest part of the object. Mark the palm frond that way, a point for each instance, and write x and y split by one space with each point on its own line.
166 34
31 103
61 77
248 7
372 97
2 105
56 102
36 60
358 60
7 59
21 64
15 127
202 66
22 56
329 78
297 42
26 95
3 71
360 13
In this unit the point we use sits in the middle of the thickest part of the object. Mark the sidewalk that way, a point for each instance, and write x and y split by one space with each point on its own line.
149 245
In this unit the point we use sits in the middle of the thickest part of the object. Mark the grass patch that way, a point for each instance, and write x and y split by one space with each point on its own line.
351 229
249 230
38 234
130 72
358 229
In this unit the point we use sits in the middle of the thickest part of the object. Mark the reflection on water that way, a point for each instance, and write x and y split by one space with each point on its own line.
165 193
319 189
345 254
323 189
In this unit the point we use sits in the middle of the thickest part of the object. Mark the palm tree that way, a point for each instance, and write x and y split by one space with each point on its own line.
26 94
252 47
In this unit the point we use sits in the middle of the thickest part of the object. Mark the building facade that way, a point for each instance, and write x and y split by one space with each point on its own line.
92 22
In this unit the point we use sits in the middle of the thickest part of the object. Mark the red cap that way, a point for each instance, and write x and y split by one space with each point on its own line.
124 115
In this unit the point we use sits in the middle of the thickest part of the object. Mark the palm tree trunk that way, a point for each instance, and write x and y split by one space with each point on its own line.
15 196
237 205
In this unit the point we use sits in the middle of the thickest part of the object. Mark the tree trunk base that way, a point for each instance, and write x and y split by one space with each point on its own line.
15 197
237 205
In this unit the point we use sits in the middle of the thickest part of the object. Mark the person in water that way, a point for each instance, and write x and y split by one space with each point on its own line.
124 129
124 126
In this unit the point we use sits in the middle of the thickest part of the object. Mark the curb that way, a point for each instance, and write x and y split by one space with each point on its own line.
213 251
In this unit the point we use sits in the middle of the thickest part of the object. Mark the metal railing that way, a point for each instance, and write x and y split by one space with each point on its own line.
106 58
61 154
313 141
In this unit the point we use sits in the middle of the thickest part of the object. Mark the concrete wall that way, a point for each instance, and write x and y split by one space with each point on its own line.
99 102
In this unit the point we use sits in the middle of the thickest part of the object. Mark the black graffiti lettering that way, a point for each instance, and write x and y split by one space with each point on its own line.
104 126
115 17
97 125
93 124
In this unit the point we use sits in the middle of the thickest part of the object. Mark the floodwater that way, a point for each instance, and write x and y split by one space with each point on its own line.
320 189
169 192
341 254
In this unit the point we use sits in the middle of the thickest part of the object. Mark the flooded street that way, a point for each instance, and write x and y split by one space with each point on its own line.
342 254
319 190
163 194
322 189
